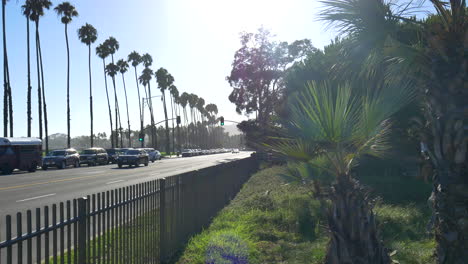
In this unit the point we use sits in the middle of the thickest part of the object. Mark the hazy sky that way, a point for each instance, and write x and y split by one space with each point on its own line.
194 40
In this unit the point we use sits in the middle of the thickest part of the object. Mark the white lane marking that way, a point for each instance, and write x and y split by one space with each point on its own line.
37 197
115 182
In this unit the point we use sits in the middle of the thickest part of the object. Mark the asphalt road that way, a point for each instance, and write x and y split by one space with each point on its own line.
22 191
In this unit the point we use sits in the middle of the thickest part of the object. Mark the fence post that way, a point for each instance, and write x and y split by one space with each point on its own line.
162 220
82 214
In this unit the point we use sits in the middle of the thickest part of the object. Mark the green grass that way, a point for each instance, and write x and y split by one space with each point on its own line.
272 221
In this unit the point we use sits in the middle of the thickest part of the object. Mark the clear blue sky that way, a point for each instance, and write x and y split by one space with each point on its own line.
194 40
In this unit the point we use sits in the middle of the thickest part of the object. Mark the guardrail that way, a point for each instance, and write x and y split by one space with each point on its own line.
142 223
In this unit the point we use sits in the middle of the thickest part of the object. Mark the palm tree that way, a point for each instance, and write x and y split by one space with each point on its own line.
330 128
112 46
184 99
26 7
200 106
147 60
67 11
88 35
145 79
436 62
192 100
7 98
123 66
165 80
212 109
102 51
135 59
112 70
37 10
174 95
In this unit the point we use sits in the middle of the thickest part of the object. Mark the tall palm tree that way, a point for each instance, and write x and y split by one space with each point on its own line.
112 70
123 68
436 61
7 98
145 79
135 59
112 46
67 11
184 99
165 80
26 7
37 10
200 106
330 128
88 35
192 100
103 52
147 61
212 109
174 94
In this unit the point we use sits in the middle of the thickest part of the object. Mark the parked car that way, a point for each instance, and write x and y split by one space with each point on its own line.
187 153
94 156
20 153
61 159
112 154
133 157
235 150
153 154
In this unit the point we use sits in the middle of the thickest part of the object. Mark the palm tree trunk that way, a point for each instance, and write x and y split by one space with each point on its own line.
354 234
39 90
5 79
108 104
90 96
29 79
139 101
68 86
153 128
172 116
44 104
128 116
168 139
117 115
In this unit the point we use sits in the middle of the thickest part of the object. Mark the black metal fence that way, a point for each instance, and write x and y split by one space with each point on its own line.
142 223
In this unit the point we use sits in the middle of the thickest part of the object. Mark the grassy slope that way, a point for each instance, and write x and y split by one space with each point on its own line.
271 221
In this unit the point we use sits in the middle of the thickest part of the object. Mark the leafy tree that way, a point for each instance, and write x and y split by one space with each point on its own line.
103 52
435 61
37 10
67 11
165 80
123 66
88 35
26 8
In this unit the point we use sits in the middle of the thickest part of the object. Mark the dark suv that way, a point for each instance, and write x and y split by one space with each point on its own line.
113 153
94 156
61 159
133 157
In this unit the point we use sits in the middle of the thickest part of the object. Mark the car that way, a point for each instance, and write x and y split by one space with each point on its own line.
20 153
235 150
153 154
187 153
94 156
61 159
113 153
133 157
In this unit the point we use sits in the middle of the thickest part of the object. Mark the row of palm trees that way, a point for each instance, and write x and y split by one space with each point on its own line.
33 10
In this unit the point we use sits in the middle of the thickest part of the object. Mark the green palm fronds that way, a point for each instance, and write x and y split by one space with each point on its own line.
341 123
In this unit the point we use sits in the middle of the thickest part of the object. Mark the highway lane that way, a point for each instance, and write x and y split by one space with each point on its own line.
22 191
